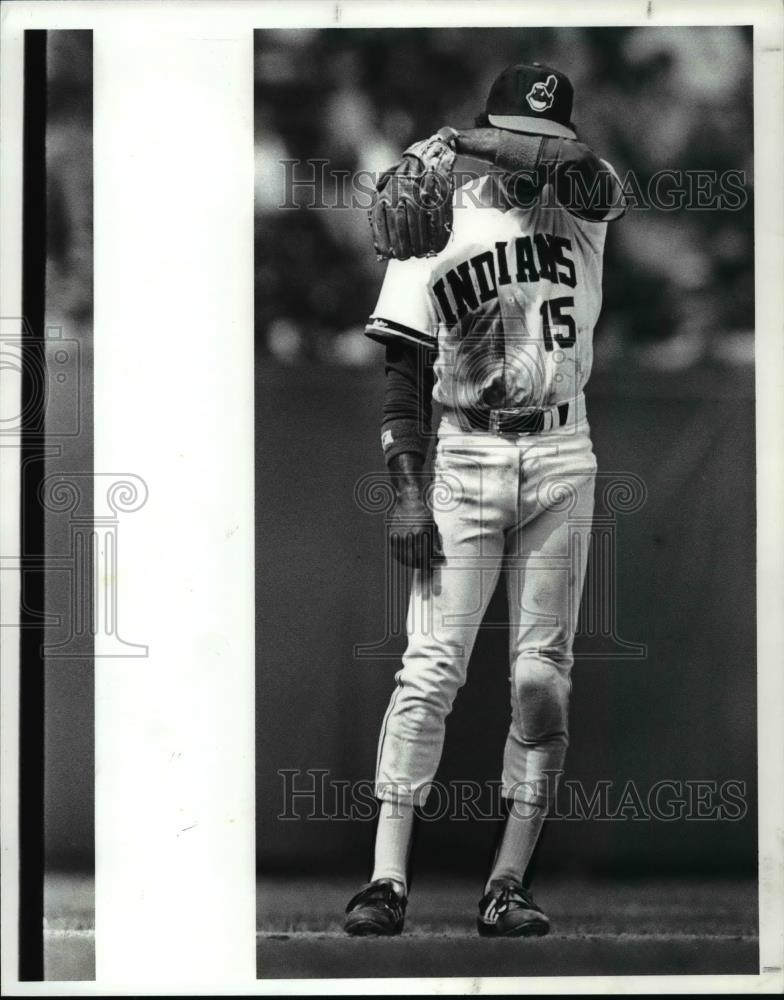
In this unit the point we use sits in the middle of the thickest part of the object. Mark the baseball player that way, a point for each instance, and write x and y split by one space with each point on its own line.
488 308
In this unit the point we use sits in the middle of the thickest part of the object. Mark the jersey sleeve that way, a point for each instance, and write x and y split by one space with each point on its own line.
591 233
616 206
404 310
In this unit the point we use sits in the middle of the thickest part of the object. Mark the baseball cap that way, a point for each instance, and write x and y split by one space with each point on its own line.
532 98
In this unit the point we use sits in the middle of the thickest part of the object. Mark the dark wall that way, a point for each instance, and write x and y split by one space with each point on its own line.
685 590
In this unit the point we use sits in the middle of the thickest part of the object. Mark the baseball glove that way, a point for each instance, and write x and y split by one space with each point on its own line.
411 215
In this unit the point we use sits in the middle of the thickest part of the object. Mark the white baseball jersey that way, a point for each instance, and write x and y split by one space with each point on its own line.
510 303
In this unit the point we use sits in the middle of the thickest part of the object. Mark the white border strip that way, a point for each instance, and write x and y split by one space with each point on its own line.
175 860
11 115
769 311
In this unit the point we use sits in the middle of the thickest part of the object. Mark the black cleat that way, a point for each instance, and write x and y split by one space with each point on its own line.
376 909
508 910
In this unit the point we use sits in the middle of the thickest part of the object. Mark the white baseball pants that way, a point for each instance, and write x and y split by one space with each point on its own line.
521 504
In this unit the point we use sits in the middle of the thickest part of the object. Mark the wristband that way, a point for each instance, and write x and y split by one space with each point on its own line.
400 435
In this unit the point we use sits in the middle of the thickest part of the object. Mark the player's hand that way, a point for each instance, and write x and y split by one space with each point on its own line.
413 535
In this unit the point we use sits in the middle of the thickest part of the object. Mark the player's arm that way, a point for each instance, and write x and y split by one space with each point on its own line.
404 321
408 407
405 426
584 184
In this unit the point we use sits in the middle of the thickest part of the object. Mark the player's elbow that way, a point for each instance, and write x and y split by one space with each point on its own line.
587 186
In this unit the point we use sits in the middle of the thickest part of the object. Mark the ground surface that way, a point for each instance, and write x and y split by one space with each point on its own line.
662 927
598 928
69 927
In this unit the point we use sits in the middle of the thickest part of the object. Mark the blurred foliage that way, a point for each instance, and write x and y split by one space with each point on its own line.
678 284
647 99
69 173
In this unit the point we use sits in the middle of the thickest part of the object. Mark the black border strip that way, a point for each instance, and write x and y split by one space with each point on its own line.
31 635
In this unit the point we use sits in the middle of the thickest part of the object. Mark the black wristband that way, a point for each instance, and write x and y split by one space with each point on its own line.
402 435
407 400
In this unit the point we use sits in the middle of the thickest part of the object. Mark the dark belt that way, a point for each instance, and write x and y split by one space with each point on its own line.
511 421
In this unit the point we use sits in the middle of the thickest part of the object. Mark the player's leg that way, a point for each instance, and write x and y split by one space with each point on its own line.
434 669
547 557
473 501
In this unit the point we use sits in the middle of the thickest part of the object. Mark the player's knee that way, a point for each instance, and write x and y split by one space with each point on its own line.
427 672
541 688
428 695
428 688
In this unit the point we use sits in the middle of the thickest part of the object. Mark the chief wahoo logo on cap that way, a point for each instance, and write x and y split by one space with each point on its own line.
541 95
